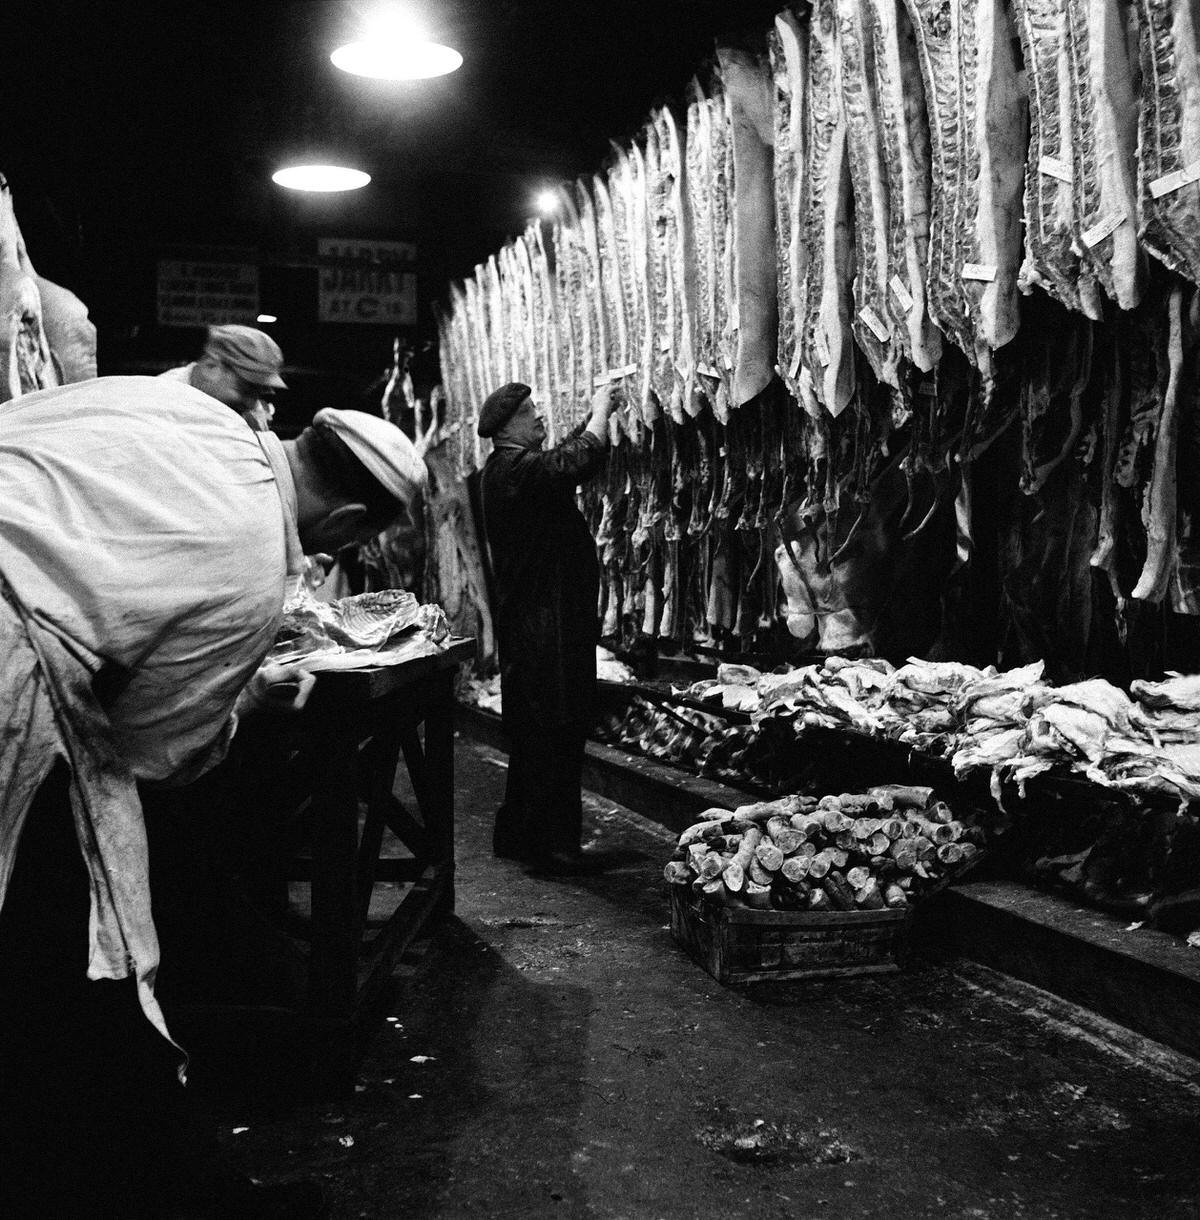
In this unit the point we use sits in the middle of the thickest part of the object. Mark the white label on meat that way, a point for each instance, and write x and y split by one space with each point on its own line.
1052 167
873 322
901 293
821 345
728 363
664 344
795 365
979 271
600 382
707 370
629 370
1101 229
1172 182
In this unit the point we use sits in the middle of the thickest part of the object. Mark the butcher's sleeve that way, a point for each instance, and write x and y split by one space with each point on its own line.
571 462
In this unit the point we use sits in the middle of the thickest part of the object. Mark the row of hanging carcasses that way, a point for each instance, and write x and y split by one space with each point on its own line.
889 175
46 337
863 211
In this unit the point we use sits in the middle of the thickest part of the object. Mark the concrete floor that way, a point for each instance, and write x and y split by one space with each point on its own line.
550 1052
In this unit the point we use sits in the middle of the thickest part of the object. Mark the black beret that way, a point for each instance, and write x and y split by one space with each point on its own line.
500 406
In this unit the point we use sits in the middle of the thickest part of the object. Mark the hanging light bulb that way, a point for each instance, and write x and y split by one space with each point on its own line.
546 202
394 47
320 178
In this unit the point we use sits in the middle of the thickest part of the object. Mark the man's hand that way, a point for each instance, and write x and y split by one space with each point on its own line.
603 401
276 688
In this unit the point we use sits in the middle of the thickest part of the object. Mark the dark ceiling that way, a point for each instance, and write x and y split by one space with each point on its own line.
133 129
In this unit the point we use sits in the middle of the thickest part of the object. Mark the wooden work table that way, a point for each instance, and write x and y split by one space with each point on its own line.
361 851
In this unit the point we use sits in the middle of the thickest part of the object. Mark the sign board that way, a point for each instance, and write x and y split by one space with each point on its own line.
194 292
371 282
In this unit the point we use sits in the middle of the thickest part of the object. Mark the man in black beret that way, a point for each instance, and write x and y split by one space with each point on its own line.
547 588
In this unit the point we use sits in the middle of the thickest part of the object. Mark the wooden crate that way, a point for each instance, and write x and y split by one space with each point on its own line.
739 945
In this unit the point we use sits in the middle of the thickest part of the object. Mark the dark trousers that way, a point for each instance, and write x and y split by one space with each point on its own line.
93 1119
542 808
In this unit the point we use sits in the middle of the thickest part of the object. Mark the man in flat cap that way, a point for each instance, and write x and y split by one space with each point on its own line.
239 366
148 540
547 587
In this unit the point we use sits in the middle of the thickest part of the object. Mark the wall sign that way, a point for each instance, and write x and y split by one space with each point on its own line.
370 282
193 292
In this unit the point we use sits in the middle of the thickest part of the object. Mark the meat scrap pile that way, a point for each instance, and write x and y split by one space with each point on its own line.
1012 724
364 629
869 851
883 236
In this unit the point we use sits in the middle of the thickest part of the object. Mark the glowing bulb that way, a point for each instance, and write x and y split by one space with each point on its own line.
546 203
320 178
266 317
394 47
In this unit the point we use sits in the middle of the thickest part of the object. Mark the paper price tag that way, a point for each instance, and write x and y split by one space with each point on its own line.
900 291
708 370
728 363
874 323
598 383
1053 167
979 271
664 344
1172 182
1101 229
629 370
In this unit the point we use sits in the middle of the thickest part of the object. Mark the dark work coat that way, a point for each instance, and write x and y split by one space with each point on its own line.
547 583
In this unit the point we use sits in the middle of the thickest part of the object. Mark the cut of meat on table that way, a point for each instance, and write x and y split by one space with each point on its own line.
1169 135
900 97
1102 61
789 66
748 84
1052 258
872 323
826 348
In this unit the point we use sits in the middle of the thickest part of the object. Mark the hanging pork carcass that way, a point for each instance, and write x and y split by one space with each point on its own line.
747 78
700 182
1052 255
1103 88
788 44
904 126
978 124
1169 133
25 363
827 378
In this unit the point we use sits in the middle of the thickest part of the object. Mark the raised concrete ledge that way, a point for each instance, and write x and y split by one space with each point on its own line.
1144 980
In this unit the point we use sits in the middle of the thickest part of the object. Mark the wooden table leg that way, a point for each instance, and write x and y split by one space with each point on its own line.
336 931
439 774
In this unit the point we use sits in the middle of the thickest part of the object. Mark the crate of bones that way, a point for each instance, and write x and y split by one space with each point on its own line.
807 887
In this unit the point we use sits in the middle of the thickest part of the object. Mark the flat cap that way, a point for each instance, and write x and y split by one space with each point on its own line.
389 456
500 406
251 353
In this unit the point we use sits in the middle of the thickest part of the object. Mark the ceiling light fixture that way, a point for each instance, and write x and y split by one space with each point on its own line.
320 178
394 47
266 317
